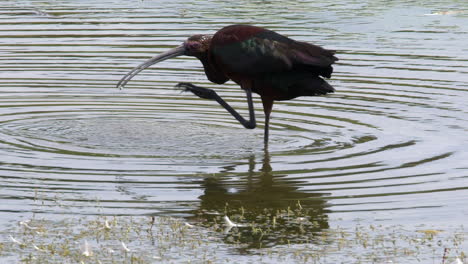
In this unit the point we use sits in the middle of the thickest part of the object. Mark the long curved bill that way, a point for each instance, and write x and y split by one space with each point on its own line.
180 50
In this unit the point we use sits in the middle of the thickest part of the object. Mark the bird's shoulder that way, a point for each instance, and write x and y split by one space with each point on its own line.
249 39
234 34
249 48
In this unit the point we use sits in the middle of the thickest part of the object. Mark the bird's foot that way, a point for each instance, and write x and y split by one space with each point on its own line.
201 92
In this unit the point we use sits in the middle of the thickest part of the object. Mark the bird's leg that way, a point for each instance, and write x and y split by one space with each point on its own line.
267 128
267 106
206 93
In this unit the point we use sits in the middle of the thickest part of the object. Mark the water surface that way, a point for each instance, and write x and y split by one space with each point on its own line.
389 147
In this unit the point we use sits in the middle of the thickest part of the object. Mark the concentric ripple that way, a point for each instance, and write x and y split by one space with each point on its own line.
389 144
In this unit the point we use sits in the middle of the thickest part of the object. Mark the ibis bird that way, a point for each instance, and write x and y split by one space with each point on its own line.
259 60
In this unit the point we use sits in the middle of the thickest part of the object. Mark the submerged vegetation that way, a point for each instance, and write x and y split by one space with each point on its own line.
219 238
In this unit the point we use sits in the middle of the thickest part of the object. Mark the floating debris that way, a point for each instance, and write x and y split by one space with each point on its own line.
87 250
107 225
25 224
125 248
448 12
429 232
37 248
16 241
229 223
457 261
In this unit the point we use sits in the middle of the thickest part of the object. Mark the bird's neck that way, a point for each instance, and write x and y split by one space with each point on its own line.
212 71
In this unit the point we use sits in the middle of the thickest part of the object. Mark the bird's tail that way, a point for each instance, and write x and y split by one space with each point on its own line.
323 87
313 86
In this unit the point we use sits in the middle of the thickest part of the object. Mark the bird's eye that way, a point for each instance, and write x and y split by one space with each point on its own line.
194 45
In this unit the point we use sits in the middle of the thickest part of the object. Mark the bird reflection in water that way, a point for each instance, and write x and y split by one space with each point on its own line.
268 208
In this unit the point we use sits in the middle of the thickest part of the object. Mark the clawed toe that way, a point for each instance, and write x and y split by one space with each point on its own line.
198 91
185 87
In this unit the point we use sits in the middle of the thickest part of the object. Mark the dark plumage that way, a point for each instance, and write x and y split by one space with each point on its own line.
259 60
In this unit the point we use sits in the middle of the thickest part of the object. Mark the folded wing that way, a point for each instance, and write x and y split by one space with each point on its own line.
252 50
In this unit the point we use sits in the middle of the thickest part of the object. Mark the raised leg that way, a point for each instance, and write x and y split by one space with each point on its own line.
210 94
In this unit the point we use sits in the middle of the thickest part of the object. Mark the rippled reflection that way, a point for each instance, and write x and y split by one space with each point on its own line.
259 196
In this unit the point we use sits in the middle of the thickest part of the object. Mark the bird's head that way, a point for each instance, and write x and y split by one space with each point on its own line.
196 45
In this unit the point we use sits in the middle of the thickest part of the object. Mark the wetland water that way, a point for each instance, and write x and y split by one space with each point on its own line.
389 147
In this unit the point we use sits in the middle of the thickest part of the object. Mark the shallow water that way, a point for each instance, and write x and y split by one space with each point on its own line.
390 146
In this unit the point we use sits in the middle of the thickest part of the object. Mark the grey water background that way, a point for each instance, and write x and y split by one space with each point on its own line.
389 147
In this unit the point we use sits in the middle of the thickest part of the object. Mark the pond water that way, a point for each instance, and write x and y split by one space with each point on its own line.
389 147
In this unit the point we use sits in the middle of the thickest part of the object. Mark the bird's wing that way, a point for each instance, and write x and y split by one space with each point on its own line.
267 51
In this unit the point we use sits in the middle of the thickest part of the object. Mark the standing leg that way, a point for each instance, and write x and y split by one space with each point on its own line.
267 106
212 95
